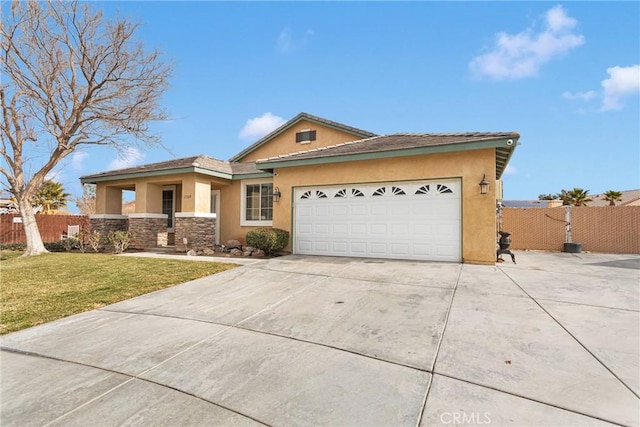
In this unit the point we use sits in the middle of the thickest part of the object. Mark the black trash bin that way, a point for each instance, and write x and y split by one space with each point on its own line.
573 248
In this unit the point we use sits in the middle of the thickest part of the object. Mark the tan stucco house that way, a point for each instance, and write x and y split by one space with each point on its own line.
338 190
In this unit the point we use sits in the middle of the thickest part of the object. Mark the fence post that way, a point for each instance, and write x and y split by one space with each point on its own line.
567 224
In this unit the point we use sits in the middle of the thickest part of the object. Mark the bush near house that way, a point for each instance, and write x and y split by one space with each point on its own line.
270 240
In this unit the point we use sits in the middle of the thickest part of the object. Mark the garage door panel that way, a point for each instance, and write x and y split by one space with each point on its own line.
358 229
399 208
322 211
358 210
304 211
339 211
322 246
399 230
379 229
423 230
322 229
340 248
340 229
358 248
411 220
378 249
422 250
398 250
305 228
305 245
378 210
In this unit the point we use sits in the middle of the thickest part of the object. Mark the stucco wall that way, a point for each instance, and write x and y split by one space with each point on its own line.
285 143
478 211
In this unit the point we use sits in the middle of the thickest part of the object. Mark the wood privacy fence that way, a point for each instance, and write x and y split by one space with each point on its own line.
610 229
52 227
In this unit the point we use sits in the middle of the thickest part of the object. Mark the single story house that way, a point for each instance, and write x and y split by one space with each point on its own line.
338 190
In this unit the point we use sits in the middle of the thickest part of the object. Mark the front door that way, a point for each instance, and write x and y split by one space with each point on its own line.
215 209
169 205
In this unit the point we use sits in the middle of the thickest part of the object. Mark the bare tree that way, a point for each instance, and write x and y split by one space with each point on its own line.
87 202
70 78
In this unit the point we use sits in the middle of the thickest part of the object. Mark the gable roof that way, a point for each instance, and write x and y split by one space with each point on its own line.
401 144
358 133
199 164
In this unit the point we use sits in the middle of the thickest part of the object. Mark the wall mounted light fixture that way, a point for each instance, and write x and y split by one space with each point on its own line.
484 185
276 194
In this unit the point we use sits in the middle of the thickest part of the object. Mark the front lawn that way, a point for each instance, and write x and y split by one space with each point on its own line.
47 287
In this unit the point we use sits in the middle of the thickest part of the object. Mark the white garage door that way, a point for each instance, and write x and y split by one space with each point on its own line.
405 220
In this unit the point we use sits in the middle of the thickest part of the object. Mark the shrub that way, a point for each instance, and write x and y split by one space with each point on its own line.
86 240
13 246
270 240
70 243
54 246
120 240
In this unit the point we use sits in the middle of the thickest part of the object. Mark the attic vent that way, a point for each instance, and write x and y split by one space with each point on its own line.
305 136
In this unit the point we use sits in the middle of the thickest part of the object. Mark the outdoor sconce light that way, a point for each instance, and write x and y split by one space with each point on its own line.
276 194
484 185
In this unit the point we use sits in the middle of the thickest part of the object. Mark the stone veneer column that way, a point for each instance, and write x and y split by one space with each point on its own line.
198 228
148 230
106 223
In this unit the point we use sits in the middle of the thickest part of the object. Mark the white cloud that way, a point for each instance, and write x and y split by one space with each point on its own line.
287 43
77 160
258 127
582 96
516 56
54 175
622 81
510 170
127 157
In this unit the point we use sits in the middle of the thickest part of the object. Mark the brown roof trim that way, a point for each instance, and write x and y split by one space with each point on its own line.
360 133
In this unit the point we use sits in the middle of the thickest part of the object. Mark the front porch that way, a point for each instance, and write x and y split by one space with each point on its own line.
179 213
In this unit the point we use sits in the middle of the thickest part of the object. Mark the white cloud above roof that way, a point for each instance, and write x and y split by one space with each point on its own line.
521 55
622 81
127 157
258 127
287 43
582 96
77 159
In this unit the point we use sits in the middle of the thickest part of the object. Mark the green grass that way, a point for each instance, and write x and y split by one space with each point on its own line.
39 289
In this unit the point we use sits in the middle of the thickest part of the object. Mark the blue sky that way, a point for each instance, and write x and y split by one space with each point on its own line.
566 76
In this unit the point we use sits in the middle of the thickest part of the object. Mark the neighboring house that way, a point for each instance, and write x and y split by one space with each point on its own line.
338 190
8 206
628 198
529 203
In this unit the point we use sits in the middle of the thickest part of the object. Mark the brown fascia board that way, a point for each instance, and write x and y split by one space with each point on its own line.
301 116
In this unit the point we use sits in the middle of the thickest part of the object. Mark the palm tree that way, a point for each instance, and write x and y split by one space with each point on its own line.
548 197
575 197
51 196
612 197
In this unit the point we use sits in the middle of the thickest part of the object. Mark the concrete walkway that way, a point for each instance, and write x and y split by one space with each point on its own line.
553 340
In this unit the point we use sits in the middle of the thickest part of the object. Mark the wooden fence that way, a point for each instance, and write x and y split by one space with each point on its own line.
608 229
52 227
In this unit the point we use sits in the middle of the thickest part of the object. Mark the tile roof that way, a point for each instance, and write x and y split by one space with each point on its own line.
201 162
397 141
301 116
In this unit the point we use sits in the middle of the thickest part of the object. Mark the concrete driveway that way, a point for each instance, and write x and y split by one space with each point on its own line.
553 340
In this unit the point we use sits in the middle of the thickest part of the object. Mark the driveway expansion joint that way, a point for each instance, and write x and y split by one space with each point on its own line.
524 397
574 337
129 379
435 357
